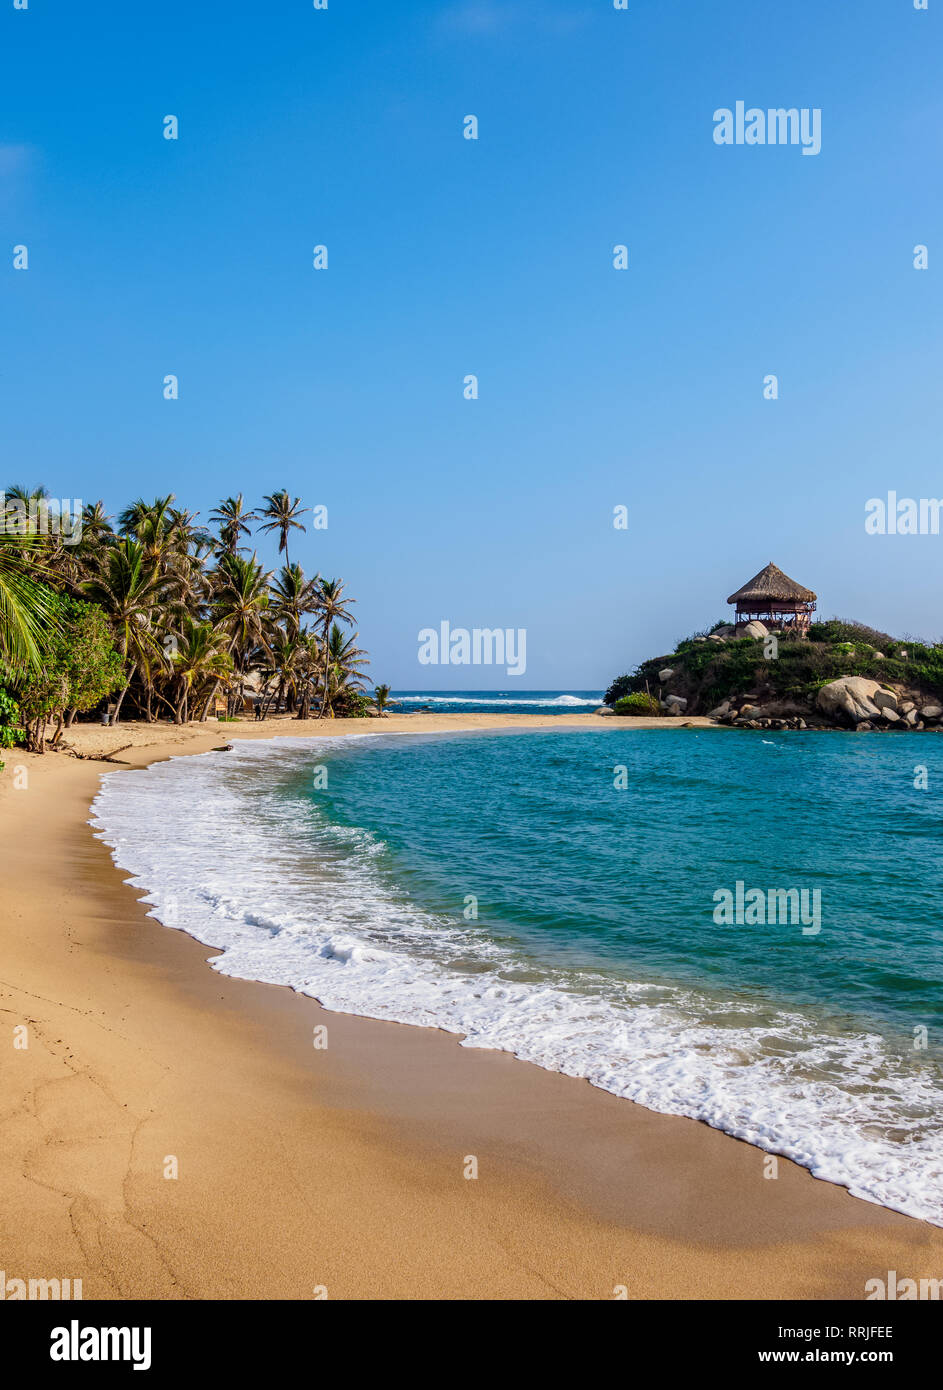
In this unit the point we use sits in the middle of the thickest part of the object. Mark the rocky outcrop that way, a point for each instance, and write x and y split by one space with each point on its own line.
754 628
851 697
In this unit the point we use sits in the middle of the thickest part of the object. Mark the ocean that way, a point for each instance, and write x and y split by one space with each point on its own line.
556 894
496 701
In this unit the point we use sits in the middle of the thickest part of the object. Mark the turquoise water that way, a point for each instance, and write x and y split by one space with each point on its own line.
578 873
504 887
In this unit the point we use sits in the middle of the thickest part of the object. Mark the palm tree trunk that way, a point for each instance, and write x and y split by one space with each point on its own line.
327 668
209 700
117 714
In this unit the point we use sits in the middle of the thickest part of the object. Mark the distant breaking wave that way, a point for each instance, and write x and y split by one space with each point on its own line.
550 702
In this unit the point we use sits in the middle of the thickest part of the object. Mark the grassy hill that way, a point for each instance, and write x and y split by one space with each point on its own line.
709 668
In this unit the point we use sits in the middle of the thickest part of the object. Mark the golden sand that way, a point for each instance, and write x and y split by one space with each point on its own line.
340 1170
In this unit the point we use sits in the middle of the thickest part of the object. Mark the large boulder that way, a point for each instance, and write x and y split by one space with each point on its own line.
755 628
931 711
603 709
666 674
851 697
677 701
719 711
885 699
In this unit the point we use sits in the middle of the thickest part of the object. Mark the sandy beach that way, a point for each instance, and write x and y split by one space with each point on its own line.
340 1172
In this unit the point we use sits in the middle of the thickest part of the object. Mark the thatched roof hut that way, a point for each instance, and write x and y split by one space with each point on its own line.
775 599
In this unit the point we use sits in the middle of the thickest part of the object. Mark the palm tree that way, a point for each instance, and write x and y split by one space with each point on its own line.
333 608
294 596
282 514
200 659
381 698
27 605
233 520
127 588
240 606
144 516
96 524
306 662
188 611
344 670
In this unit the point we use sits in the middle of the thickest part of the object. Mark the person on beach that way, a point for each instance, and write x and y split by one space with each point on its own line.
258 707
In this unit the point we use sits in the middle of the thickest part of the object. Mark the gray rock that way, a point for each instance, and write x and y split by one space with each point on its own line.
931 711
666 674
755 628
886 699
714 638
677 700
851 697
700 639
720 710
863 727
891 716
603 709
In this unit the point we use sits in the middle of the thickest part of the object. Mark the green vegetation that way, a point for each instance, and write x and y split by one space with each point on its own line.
10 731
166 615
638 704
707 672
27 604
81 667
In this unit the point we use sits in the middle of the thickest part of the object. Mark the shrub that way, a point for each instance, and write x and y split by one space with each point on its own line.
80 668
637 704
622 685
10 731
848 630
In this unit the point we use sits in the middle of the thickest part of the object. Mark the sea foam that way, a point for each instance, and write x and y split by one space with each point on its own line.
288 898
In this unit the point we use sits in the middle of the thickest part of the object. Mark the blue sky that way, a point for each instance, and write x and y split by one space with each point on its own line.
447 257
